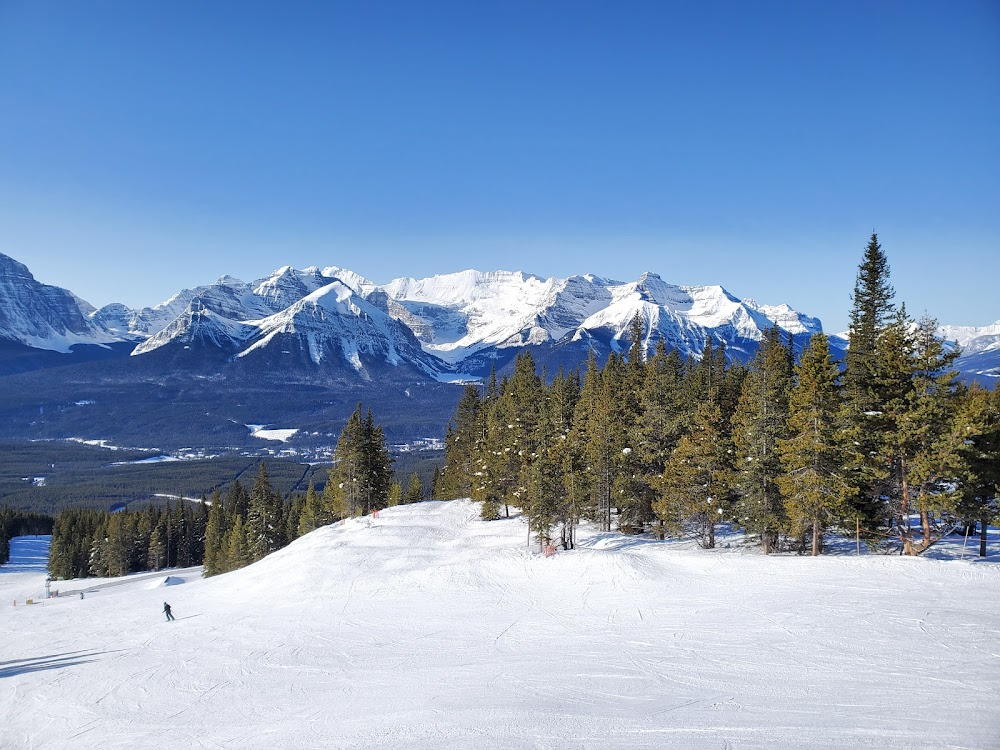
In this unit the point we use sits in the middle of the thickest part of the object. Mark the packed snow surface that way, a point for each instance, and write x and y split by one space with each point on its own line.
427 628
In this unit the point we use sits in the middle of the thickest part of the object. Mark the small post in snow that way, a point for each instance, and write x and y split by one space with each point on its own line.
857 532
967 527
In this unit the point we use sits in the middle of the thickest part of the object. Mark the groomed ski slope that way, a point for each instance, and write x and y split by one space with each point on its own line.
427 628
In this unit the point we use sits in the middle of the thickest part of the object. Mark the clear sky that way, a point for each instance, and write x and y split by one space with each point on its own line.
148 146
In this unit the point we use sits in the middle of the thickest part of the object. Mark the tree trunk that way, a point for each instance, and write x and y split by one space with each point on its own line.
982 536
905 535
817 537
925 523
711 534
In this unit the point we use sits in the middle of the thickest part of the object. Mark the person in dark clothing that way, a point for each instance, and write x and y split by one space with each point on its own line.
166 611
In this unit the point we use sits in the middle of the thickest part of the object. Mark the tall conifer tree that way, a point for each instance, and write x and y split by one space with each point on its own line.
759 423
814 483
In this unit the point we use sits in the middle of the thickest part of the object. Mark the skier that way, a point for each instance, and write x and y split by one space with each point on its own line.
166 611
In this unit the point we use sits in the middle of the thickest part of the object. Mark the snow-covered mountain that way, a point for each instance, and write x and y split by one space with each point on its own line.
444 326
980 350
296 318
46 317
461 323
456 316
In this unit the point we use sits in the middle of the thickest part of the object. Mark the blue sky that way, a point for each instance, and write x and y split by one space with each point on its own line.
149 146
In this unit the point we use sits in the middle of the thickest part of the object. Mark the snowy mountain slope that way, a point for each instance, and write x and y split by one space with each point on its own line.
286 286
333 323
330 325
980 358
974 339
43 316
458 315
429 629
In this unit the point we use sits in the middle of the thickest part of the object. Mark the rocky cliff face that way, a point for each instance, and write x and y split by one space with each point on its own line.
42 316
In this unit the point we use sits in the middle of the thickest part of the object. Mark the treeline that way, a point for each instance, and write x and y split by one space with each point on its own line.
89 543
893 446
20 523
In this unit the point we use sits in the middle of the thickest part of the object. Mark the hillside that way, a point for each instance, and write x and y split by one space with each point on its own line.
427 628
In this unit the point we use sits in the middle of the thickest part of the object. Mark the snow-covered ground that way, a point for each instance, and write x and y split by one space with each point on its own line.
261 431
427 628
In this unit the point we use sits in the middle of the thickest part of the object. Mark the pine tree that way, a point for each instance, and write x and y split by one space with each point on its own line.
215 554
362 473
414 490
264 528
606 441
814 483
395 495
662 418
343 488
543 473
632 489
463 433
978 427
237 548
759 423
868 385
931 457
436 483
696 485
294 507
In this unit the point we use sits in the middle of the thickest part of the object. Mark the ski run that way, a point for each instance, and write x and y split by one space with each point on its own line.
428 628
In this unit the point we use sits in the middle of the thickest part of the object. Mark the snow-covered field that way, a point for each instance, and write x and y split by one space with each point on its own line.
429 629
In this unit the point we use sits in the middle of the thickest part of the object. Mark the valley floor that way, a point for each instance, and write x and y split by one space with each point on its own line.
427 628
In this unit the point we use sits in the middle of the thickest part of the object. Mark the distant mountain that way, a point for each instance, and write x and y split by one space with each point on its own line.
472 319
42 316
980 359
301 343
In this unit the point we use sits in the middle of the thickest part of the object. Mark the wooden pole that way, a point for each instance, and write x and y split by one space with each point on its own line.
965 542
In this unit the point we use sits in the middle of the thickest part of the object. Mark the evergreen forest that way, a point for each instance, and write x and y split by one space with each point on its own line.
888 446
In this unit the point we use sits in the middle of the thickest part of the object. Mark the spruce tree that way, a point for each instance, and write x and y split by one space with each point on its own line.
237 548
865 424
264 528
313 514
662 418
414 490
814 484
978 426
343 490
606 441
759 423
931 460
360 479
395 495
696 486
215 555
463 433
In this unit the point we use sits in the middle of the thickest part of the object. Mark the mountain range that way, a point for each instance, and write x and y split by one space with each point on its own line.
331 331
